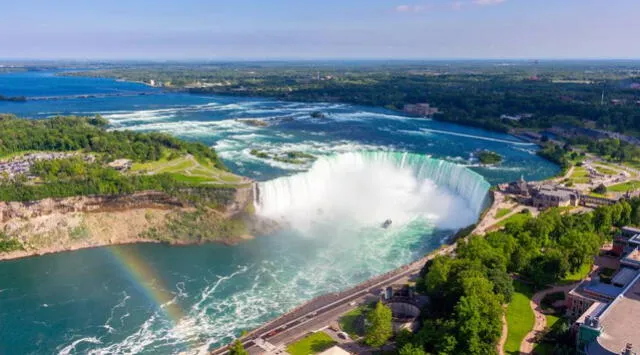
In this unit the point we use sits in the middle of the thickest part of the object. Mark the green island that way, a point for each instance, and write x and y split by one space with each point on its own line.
488 157
13 98
292 157
171 190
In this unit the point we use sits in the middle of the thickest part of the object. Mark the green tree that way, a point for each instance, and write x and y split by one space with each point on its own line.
411 349
379 328
237 348
548 268
602 219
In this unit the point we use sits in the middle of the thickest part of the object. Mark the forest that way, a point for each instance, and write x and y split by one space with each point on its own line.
77 175
70 133
489 94
468 290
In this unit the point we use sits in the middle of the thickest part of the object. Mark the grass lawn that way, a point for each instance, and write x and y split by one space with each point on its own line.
348 322
577 276
606 171
624 187
520 317
594 194
579 175
312 344
551 320
187 169
516 218
502 212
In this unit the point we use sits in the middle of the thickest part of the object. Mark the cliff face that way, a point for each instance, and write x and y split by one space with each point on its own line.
33 209
53 225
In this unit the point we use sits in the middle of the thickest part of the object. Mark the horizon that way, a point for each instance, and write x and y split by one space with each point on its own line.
250 30
540 60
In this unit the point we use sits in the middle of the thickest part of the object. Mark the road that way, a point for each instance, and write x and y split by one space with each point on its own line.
318 312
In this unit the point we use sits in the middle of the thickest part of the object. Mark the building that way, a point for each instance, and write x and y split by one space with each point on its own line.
518 187
533 135
613 327
421 109
335 350
589 294
549 196
121 164
627 240
607 312
571 131
405 307
517 117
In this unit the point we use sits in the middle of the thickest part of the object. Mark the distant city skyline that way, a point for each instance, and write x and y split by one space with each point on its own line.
329 29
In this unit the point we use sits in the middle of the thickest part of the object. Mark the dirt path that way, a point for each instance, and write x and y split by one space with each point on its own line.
503 336
566 175
529 341
500 202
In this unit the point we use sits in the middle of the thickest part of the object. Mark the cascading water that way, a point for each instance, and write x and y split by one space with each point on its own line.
367 188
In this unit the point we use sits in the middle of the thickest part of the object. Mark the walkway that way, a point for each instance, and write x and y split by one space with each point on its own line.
489 221
529 342
505 333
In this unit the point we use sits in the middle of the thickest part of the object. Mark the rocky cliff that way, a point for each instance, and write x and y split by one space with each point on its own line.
53 225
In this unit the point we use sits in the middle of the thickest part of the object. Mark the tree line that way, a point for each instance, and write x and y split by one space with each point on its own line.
467 290
71 133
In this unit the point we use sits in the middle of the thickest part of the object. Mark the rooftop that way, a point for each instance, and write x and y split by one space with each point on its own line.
603 289
635 239
621 322
624 276
630 230
632 258
335 350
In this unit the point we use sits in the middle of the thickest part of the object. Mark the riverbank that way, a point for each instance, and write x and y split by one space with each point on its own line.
57 225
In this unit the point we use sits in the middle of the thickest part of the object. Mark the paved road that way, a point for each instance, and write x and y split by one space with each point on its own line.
318 312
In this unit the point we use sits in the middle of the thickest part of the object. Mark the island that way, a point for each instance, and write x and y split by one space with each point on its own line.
488 157
13 98
69 183
291 157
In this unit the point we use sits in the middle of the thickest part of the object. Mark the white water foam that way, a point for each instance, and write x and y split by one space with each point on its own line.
428 130
365 189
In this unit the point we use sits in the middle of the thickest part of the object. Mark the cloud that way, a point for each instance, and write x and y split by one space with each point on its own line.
488 2
411 8
457 5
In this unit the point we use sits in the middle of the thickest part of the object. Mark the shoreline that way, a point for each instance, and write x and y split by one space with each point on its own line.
22 254
67 224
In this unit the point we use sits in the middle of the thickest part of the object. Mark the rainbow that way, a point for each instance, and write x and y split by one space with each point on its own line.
148 281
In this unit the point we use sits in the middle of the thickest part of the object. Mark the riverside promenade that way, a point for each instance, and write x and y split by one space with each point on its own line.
319 307
320 311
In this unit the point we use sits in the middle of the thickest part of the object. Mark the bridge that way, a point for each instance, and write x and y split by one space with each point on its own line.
324 304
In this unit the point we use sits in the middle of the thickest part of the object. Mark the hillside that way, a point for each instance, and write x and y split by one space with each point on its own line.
68 182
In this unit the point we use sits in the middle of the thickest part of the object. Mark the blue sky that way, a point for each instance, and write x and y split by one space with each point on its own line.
282 29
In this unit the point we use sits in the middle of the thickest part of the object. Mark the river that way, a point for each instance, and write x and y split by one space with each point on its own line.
373 164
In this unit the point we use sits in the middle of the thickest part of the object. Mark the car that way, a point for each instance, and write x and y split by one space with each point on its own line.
343 335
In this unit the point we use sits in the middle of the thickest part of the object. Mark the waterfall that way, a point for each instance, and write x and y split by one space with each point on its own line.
369 187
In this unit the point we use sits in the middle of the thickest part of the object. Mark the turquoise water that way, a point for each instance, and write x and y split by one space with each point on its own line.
96 301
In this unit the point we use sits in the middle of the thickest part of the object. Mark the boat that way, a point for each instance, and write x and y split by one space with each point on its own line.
386 224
